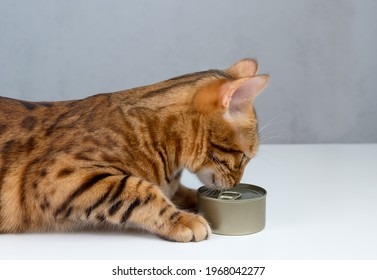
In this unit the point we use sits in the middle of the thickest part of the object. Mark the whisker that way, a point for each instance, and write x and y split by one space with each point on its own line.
217 163
218 168
267 135
266 124
265 155
211 192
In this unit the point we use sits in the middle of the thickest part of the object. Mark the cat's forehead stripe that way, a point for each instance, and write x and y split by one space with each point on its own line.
203 74
186 80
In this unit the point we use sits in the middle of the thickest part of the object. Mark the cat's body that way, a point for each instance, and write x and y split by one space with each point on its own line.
117 158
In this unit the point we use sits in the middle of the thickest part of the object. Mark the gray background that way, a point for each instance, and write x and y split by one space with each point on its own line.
321 55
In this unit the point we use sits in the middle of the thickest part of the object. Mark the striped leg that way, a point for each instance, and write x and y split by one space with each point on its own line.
186 198
123 200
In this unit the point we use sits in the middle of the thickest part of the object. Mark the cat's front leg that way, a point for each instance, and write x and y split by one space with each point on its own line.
186 198
128 200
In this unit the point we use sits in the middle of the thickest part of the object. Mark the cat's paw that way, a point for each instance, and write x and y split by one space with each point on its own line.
189 227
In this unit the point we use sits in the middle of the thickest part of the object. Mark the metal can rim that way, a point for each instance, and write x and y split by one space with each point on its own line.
238 201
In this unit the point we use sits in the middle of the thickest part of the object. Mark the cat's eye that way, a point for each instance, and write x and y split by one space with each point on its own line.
243 159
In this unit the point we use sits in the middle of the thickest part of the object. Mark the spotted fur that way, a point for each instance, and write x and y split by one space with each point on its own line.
116 159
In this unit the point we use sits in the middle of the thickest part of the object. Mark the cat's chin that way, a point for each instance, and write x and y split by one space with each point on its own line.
206 176
209 179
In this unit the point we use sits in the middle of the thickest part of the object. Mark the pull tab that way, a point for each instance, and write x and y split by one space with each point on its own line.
229 195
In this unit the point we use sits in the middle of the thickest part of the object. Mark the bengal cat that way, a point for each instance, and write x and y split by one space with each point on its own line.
117 158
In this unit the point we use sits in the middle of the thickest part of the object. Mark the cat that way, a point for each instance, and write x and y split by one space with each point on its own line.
117 158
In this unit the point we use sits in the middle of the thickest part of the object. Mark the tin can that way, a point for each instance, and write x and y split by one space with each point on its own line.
239 211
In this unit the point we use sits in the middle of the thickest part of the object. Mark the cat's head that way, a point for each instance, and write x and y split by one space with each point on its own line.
229 119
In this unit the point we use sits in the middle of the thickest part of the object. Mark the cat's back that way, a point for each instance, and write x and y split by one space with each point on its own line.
35 130
19 118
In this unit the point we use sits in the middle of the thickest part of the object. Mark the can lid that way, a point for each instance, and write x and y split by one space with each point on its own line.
239 192
229 195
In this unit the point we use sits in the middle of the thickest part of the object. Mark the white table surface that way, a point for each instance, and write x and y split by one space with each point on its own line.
321 204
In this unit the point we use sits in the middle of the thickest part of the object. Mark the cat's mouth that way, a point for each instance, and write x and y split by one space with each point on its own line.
211 180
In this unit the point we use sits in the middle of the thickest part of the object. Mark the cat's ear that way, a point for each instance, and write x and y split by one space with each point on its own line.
238 93
229 95
247 67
